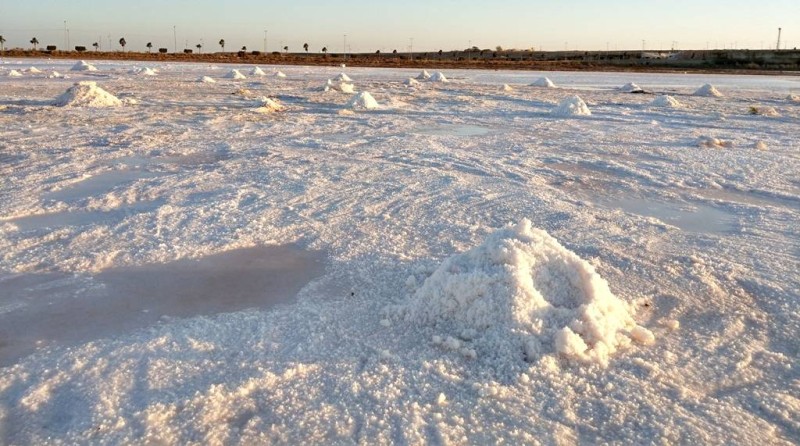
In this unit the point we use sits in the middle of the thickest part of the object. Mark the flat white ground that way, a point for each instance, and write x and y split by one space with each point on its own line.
141 297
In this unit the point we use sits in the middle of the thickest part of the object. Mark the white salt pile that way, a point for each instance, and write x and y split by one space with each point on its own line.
34 70
506 87
411 82
343 87
708 90
87 94
363 101
572 106
343 77
424 75
83 66
280 74
522 295
711 142
146 71
14 73
235 74
438 77
666 101
207 80
763 110
631 87
268 105
55 74
793 98
543 82
257 71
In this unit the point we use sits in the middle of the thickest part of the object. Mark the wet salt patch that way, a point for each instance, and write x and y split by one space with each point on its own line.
63 309
53 220
690 217
99 183
747 198
452 130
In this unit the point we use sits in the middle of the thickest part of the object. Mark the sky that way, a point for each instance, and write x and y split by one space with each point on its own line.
424 25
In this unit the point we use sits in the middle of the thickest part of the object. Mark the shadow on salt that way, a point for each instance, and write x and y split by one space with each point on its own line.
58 309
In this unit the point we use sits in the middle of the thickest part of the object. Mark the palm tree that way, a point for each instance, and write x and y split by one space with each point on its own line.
149 47
305 47
96 46
286 49
325 49
244 48
122 43
34 42
222 44
199 48
2 41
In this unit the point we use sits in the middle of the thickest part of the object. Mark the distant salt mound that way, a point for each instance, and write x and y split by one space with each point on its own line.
543 82
55 75
83 66
268 105
666 101
708 90
630 87
763 110
572 106
87 94
793 98
343 78
506 87
363 101
710 142
438 77
146 71
339 86
411 82
207 80
14 73
34 70
522 295
235 74
280 74
257 71
424 75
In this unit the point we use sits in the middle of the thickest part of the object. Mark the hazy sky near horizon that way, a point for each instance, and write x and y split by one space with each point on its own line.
433 24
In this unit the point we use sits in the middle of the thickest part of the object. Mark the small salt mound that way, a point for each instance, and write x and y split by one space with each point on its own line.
206 80
762 110
572 106
343 87
280 74
708 90
506 87
438 77
34 70
363 101
235 74
630 87
343 77
710 142
83 66
521 294
543 82
87 94
665 101
143 71
257 71
243 92
424 75
14 73
55 74
268 105
411 82
793 98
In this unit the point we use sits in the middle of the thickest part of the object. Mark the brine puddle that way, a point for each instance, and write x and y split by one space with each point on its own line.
690 217
56 309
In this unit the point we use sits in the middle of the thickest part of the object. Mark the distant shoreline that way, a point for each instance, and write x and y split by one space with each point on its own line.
453 60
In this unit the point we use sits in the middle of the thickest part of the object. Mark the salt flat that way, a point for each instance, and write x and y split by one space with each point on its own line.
439 312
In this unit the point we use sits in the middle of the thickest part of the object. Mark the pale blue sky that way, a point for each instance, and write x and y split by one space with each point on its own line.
433 24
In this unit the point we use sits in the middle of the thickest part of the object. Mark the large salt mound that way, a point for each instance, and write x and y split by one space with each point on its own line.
14 73
424 75
438 77
235 74
522 295
665 101
631 87
268 105
543 82
708 90
411 82
257 71
83 66
87 94
572 106
207 80
343 77
363 101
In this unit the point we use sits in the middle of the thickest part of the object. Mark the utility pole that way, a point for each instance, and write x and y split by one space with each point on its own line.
778 46
643 44
265 41
67 48
344 46
66 44
411 48
174 39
